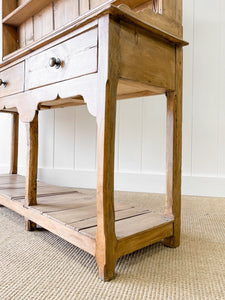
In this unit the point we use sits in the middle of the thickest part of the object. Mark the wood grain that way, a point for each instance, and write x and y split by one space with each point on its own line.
31 168
106 115
15 80
80 51
174 152
159 58
43 22
14 144
24 11
65 11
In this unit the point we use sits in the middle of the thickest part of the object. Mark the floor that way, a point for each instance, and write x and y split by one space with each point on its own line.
40 265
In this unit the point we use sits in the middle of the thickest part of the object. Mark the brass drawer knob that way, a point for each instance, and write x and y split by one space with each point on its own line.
4 83
55 62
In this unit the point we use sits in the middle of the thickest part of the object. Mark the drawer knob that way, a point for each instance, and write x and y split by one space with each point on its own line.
4 83
55 62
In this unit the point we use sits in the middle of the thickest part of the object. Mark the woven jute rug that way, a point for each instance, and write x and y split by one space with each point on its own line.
40 265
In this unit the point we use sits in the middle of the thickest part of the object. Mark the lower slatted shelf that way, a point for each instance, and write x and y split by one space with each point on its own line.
69 213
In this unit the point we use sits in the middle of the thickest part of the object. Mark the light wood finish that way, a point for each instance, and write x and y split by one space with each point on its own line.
15 80
123 12
8 6
24 11
74 217
174 152
10 39
84 6
14 144
43 22
106 117
32 164
80 51
136 46
65 11
107 50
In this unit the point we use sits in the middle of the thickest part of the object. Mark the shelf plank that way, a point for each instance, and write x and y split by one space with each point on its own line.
85 212
13 187
119 215
24 11
133 226
50 204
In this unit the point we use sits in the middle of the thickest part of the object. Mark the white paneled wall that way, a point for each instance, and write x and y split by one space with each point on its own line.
67 150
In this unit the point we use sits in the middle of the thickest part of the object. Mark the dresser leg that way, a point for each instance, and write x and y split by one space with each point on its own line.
106 118
174 154
31 170
106 238
14 143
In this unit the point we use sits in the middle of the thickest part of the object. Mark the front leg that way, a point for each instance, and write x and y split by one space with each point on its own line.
174 154
31 169
106 118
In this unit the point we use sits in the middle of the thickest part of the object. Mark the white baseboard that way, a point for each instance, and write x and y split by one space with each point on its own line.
137 182
133 182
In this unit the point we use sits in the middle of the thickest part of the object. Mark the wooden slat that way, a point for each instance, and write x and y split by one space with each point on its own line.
43 22
29 31
119 215
70 216
135 225
65 11
63 202
8 178
16 191
84 6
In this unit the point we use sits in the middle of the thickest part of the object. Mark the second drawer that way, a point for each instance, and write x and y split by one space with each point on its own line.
78 56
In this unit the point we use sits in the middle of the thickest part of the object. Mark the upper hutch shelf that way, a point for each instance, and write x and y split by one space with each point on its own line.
24 11
27 21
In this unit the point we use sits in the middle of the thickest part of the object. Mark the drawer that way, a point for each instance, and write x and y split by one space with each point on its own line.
78 56
14 77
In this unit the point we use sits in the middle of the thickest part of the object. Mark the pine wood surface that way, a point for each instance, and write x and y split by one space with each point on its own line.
77 210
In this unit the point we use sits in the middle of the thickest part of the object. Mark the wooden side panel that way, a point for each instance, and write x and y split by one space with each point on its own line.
65 11
8 6
145 59
10 38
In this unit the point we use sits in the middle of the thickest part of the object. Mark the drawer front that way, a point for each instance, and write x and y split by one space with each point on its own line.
14 77
78 56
